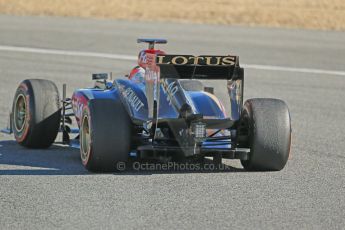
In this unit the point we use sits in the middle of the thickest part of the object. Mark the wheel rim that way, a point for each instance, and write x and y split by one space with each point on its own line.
20 113
85 140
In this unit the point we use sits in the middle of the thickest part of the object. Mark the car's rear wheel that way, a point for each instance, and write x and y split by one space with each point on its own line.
268 126
36 113
105 135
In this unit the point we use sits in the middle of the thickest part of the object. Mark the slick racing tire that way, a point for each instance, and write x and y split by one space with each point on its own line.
105 135
269 134
36 113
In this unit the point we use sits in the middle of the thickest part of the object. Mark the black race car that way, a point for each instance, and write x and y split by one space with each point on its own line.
162 110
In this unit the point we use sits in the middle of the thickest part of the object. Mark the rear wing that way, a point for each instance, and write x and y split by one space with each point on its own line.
167 67
198 67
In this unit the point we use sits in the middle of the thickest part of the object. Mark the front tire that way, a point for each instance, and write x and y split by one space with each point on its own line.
269 134
105 135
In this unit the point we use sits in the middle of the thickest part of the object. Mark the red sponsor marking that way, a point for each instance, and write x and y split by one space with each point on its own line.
79 102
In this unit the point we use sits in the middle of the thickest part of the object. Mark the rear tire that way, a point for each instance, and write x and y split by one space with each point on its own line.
105 135
269 134
36 113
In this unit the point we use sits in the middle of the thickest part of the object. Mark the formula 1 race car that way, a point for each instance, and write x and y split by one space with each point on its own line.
162 110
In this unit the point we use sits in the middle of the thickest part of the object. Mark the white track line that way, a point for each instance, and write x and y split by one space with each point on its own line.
133 58
67 53
290 69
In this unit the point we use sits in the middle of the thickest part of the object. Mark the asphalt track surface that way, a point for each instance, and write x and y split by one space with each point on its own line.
43 189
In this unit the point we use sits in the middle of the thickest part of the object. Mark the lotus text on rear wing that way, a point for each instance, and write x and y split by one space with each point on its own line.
196 60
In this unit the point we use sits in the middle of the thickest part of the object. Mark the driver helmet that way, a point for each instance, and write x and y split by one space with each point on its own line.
137 75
